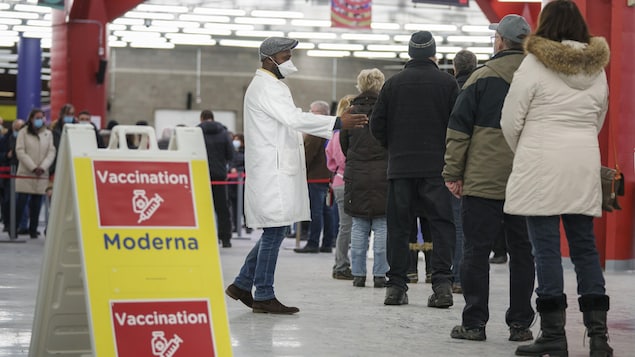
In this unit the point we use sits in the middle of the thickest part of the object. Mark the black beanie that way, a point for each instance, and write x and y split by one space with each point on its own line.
422 45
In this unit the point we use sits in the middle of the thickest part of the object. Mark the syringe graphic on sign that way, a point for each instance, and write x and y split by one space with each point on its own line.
144 206
161 347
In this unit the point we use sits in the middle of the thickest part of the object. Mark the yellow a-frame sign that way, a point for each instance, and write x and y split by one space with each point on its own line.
131 265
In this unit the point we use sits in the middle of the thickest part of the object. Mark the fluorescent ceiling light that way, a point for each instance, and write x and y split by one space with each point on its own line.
406 38
260 20
242 33
385 26
365 37
469 39
4 6
148 15
283 14
8 65
21 28
4 27
394 48
186 39
154 28
305 46
239 43
117 43
313 35
13 71
9 33
152 44
8 57
206 31
19 15
474 28
488 50
448 49
229 27
38 23
430 27
161 8
46 43
10 21
212 11
32 8
483 57
341 46
182 24
117 27
371 54
124 21
318 53
311 23
137 36
204 18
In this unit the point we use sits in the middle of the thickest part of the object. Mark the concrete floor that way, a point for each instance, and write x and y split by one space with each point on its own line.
335 318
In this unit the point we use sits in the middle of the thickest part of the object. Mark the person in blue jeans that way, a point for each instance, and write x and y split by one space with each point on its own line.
322 218
551 118
365 185
276 193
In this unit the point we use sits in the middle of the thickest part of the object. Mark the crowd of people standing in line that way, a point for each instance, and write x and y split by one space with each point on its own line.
527 118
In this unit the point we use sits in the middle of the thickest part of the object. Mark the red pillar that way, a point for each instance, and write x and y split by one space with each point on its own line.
79 45
614 20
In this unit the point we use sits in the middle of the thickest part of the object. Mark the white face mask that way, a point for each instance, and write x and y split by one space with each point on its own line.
236 144
286 68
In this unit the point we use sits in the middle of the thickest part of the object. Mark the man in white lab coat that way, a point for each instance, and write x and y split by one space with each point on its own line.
276 192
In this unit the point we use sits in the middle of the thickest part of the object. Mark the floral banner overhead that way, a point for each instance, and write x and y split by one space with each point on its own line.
355 14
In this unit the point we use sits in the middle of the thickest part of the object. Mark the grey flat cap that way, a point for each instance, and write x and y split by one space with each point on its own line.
512 27
272 45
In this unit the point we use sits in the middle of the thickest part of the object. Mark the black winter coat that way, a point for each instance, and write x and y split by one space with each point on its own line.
365 183
219 147
410 119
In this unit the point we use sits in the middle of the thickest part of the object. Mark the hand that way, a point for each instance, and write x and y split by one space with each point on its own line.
38 171
351 121
455 187
9 154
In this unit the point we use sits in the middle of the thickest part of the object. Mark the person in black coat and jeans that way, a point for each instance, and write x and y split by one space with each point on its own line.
220 151
410 120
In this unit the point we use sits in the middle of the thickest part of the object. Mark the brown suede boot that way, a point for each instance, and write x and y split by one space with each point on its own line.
237 293
273 306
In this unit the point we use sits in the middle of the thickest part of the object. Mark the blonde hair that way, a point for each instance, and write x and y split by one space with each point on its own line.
344 103
370 80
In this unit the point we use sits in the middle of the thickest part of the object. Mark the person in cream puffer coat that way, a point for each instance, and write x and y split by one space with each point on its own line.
551 117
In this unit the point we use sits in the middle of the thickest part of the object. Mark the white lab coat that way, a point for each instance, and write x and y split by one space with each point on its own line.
276 192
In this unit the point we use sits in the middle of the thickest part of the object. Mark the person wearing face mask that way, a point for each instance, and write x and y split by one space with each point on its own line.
66 116
276 191
35 151
8 158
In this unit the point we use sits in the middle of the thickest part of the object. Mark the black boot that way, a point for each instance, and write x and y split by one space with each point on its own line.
553 339
594 308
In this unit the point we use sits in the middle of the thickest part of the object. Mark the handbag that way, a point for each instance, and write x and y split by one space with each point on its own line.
612 187
612 181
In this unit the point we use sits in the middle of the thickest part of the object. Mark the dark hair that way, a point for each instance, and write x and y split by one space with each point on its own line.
64 110
30 128
207 114
84 112
111 124
561 20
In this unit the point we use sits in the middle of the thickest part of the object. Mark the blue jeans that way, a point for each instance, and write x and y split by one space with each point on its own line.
344 233
359 245
544 233
260 265
458 250
321 217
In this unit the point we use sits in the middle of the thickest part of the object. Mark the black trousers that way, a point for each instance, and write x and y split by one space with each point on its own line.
221 207
435 198
483 219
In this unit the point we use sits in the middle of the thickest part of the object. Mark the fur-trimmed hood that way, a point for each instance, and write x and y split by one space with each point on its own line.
577 63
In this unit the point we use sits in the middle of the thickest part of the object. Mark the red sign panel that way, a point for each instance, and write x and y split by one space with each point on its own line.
132 194
162 328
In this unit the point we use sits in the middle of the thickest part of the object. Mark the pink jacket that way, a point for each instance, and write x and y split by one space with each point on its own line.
335 159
